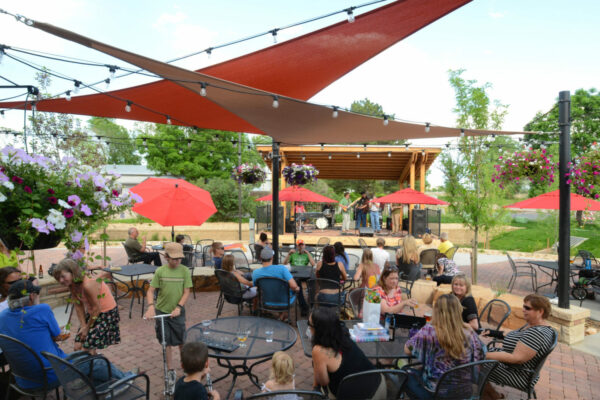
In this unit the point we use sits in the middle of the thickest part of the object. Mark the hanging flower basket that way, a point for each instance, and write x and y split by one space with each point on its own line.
584 173
249 174
297 175
533 165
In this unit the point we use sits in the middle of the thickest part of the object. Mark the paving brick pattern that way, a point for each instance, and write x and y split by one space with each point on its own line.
568 373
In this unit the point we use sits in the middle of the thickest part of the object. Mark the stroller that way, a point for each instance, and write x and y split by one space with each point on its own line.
588 284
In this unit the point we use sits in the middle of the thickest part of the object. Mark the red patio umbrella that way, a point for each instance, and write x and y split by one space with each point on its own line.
550 201
297 193
409 196
173 202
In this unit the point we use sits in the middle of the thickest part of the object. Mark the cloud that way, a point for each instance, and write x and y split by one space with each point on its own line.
167 19
496 14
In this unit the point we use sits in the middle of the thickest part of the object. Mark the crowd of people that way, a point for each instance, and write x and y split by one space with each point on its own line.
453 336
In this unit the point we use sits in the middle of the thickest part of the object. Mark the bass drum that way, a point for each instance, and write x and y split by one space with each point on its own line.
322 223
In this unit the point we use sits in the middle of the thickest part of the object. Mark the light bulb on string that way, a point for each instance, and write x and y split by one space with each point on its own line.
274 33
322 146
334 114
303 157
389 154
111 72
462 133
128 106
180 151
208 52
210 154
2 114
144 142
202 89
406 146
68 95
76 85
107 81
1 54
423 152
330 157
168 120
357 155
385 120
33 106
189 144
427 129
275 101
350 15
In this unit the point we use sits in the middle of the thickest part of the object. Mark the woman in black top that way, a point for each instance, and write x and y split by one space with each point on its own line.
461 288
334 354
333 270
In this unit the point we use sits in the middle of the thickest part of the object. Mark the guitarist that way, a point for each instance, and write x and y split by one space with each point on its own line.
345 206
361 210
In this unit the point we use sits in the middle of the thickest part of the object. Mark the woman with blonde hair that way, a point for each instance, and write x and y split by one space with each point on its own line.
408 254
282 374
446 342
248 289
461 288
94 304
427 243
367 271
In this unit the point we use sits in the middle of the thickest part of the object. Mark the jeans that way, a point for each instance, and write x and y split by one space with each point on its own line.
361 219
375 221
414 387
99 370
149 257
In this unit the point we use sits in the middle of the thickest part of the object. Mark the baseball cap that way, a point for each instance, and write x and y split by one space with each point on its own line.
299 241
22 288
174 250
266 254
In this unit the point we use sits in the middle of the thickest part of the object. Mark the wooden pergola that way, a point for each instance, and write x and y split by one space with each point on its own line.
400 163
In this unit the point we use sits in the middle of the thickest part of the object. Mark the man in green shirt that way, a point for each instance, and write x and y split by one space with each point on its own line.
174 282
299 257
137 251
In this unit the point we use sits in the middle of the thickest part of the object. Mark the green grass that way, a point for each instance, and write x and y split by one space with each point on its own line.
138 220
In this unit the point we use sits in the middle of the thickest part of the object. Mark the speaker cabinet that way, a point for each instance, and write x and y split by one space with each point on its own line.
419 222
366 231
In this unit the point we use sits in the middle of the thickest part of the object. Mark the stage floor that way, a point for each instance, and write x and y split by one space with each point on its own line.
335 235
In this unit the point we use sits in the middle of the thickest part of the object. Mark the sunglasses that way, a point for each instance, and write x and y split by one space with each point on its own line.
527 308
392 268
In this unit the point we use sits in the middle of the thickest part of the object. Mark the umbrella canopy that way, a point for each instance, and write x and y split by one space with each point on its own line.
550 201
409 196
173 202
296 193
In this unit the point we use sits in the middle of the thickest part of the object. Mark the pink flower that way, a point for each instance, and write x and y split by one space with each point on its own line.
17 180
68 212
27 189
51 191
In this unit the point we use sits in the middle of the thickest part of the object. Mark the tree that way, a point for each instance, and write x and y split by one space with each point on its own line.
120 147
191 154
471 194
224 194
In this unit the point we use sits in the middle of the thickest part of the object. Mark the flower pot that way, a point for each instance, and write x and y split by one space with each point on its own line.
43 241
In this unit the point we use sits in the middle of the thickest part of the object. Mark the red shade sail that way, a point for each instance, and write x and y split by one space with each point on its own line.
298 68
296 193
173 202
409 196
551 200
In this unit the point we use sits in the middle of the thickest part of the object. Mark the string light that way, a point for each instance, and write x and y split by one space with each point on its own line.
334 114
423 152
68 95
202 89
76 85
107 81
389 154
144 142
128 106
350 15
208 52
2 114
275 101
303 157
330 157
211 153
406 146
33 106
1 54
365 147
385 120
357 155
180 151
168 120
189 144
274 33
427 129
322 146
462 133
111 71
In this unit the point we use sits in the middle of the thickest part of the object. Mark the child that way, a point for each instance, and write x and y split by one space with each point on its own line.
194 361
174 282
282 373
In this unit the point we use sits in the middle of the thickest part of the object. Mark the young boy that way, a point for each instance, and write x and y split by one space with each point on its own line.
174 282
194 361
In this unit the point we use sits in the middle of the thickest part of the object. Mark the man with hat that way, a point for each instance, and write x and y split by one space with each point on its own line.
301 257
174 282
35 325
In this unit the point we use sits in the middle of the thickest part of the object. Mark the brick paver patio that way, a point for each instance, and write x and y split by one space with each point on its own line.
568 374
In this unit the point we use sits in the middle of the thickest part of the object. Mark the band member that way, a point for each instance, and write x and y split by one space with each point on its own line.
362 207
299 209
328 212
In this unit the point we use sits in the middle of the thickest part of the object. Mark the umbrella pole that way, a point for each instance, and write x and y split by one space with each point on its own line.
295 224
172 233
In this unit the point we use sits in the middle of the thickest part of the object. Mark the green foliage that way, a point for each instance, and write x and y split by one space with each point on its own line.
224 193
585 122
121 148
211 153
468 172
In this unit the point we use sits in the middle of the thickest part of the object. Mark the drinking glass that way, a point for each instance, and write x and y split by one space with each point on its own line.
269 334
427 316
242 336
206 325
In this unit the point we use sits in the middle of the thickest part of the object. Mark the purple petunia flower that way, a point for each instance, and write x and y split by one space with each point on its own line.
77 255
52 200
17 180
76 236
116 202
27 189
115 193
73 200
85 209
136 197
51 191
39 225
68 213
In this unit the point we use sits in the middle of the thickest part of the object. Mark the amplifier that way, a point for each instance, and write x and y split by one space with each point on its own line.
366 231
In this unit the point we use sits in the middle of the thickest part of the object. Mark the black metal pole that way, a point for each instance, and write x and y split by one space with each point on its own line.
239 189
564 224
275 202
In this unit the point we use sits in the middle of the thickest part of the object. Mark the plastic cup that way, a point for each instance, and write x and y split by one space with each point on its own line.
427 316
206 326
269 335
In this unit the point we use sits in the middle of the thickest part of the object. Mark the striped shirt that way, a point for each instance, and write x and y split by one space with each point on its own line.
538 338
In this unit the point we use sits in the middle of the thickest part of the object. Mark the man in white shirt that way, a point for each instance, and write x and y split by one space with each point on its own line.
380 256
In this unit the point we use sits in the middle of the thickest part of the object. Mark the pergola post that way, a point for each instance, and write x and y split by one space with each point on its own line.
412 186
275 202
564 225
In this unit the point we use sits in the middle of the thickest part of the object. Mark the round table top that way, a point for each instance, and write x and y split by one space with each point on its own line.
225 329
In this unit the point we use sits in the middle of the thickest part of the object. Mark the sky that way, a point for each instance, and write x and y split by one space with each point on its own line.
528 50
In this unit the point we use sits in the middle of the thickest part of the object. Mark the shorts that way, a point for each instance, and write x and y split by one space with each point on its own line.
174 328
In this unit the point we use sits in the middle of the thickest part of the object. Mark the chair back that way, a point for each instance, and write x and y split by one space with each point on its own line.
535 373
378 383
451 252
362 243
428 256
465 381
315 298
273 294
74 383
207 259
586 255
187 240
205 242
230 286
24 362
353 261
409 272
188 259
493 314
287 395
131 256
322 242
255 249
241 261
356 298
513 266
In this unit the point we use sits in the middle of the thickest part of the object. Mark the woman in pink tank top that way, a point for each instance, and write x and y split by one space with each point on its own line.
94 304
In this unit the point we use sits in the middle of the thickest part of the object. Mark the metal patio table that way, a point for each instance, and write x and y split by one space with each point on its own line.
379 350
133 286
257 348
550 268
